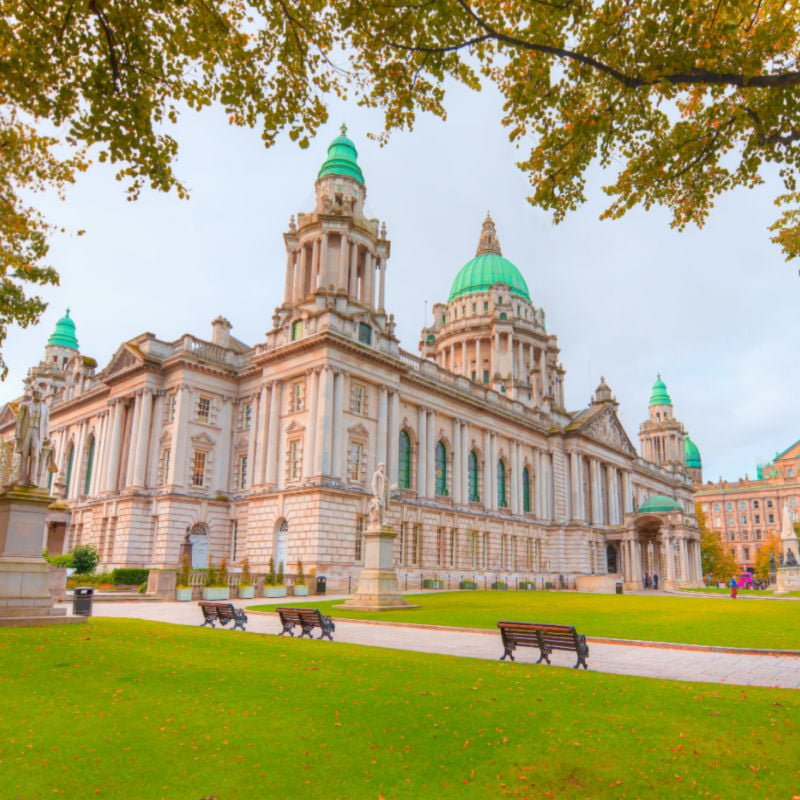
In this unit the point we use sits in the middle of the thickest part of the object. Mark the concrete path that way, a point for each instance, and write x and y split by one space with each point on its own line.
652 661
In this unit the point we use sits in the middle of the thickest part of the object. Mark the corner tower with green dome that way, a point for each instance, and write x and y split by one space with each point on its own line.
663 438
490 332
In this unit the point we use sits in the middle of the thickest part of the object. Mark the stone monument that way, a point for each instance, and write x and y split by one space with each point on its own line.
788 573
25 597
378 587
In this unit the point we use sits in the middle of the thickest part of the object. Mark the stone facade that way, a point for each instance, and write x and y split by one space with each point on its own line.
747 512
267 451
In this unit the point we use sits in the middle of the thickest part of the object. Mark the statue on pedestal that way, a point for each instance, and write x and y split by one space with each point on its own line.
789 538
379 504
30 436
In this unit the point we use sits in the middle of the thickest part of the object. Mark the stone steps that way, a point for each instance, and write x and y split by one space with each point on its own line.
37 622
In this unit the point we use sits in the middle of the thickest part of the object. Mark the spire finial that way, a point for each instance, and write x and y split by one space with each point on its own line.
343 129
67 310
488 243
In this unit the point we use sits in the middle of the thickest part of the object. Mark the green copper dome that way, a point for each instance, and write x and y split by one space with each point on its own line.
488 268
659 396
64 334
342 159
658 503
692 455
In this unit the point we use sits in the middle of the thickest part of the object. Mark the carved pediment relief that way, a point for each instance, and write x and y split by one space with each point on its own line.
295 427
607 429
202 440
241 443
358 430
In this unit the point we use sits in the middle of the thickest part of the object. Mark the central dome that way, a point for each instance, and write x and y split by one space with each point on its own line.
342 159
488 268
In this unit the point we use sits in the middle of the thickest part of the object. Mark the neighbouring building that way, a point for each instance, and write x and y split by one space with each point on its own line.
267 450
746 512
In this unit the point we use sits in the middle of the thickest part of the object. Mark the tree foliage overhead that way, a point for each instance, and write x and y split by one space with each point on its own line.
683 99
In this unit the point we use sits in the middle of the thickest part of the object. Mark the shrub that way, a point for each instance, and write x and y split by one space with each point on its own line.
129 577
184 574
62 560
85 559
270 579
279 580
211 574
247 578
222 573
300 580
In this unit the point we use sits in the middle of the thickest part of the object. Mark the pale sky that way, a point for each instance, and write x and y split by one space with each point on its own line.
713 310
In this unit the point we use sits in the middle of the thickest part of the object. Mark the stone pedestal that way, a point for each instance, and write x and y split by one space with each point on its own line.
788 579
25 597
378 588
161 583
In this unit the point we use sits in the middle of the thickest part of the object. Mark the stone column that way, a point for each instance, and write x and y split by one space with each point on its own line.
259 422
431 454
252 435
180 445
289 283
383 425
324 444
300 276
684 554
574 466
274 433
154 455
422 450
309 439
515 478
464 362
457 462
315 247
465 462
99 452
491 469
382 284
324 276
369 280
73 490
112 476
610 518
393 447
131 451
142 438
337 425
626 493
344 246
478 362
353 283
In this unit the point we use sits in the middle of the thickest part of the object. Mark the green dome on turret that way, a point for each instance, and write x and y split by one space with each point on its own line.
64 334
692 455
659 503
659 395
342 159
488 268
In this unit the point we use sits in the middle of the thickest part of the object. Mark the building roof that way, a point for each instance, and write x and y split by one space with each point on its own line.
659 396
488 268
692 454
64 334
342 159
658 503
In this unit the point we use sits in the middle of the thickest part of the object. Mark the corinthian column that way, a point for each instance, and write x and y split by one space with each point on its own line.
142 438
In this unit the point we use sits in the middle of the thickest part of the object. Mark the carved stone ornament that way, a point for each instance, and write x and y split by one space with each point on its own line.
606 428
124 360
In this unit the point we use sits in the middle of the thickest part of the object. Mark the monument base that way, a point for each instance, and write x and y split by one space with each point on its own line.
25 597
378 588
788 579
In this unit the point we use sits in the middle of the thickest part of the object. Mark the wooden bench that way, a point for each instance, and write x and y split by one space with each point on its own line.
222 613
546 637
307 619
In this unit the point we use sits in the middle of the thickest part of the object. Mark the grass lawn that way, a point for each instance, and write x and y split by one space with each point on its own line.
129 709
742 592
692 620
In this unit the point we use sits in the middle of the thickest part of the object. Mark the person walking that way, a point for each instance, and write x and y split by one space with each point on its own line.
734 588
647 580
655 581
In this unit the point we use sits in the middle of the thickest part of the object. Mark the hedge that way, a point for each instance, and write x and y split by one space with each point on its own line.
129 577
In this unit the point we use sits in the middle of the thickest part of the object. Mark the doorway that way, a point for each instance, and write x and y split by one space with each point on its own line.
198 536
281 544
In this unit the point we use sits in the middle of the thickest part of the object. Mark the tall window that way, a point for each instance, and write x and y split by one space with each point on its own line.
165 455
355 461
241 482
415 544
296 397
502 498
404 461
297 329
360 525
472 540
441 469
526 490
245 416
440 546
294 459
364 333
474 494
452 548
199 469
70 459
87 481
204 409
358 398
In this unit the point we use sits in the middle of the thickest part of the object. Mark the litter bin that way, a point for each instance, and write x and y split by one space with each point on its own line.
322 584
82 601
619 587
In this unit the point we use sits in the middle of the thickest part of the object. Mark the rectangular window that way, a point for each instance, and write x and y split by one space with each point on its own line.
199 469
743 519
355 461
294 459
757 519
246 416
745 536
364 333
486 376
742 505
169 408
415 544
746 553
769 503
755 503
358 398
440 546
361 522
484 550
297 329
771 519
512 553
403 544
297 392
241 478
529 555
716 506
165 457
758 535
452 550
204 409
729 506
472 538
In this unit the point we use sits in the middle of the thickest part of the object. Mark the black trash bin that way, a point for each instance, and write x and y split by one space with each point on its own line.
322 584
619 587
82 601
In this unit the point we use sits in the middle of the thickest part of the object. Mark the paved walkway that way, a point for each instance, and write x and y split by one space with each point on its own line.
622 659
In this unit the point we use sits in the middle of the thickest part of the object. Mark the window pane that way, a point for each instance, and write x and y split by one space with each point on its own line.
405 461
441 469
474 496
501 485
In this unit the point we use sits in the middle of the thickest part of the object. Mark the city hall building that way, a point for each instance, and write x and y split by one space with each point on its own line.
267 450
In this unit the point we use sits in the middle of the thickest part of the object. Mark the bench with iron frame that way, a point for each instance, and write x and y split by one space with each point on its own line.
544 636
307 619
222 613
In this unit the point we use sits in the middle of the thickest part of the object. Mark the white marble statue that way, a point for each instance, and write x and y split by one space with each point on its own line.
30 436
789 537
379 504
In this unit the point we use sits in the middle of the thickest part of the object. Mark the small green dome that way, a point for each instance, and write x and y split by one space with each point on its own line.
342 159
64 334
488 268
659 395
658 503
692 455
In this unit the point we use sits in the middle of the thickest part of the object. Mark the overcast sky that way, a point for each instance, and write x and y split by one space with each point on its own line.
713 310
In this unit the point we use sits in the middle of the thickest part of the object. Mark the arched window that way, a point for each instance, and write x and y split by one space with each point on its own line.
441 469
526 490
404 461
474 494
70 459
87 481
502 501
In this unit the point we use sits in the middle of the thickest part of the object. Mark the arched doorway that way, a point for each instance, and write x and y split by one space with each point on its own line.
611 558
281 543
198 536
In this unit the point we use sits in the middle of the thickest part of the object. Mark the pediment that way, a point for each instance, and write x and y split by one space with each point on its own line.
358 430
241 443
8 416
294 427
606 428
123 360
202 440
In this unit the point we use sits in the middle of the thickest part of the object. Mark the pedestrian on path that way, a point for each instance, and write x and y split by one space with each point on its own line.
655 581
734 588
647 580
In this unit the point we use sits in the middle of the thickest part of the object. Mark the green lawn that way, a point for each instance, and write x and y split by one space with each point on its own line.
129 709
742 592
692 620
